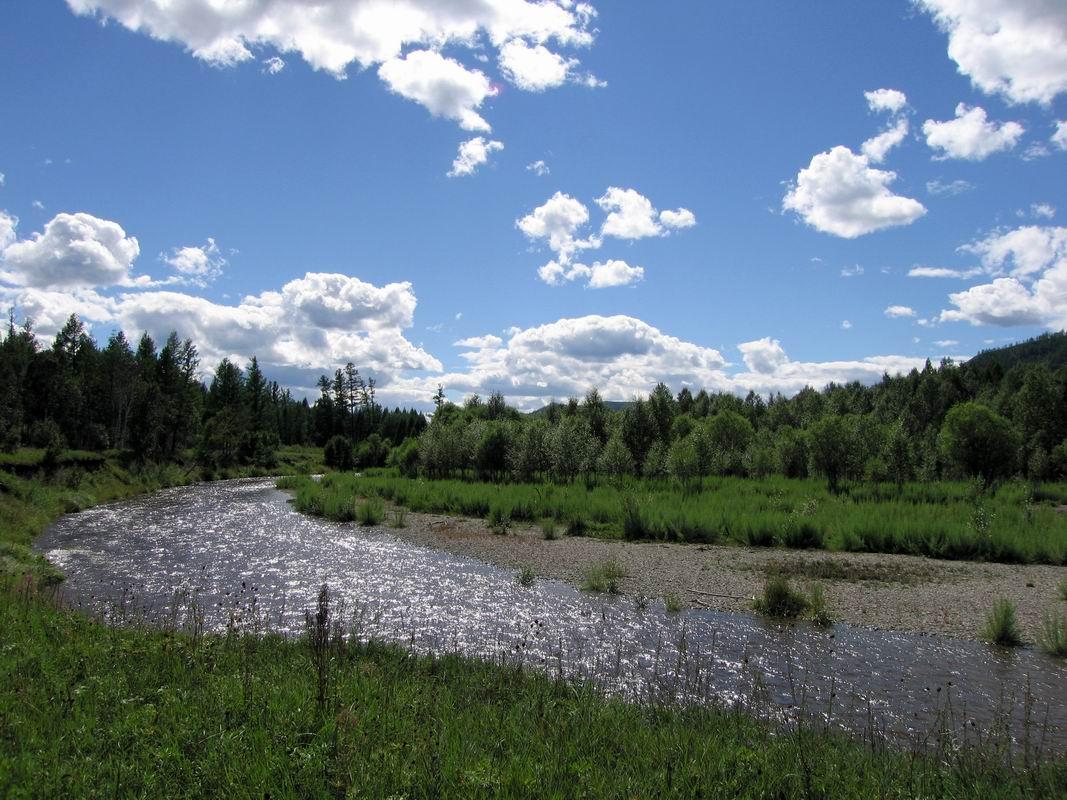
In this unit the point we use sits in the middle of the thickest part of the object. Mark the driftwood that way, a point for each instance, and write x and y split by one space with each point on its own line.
713 594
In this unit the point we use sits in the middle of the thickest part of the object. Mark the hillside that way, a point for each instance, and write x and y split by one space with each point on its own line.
1048 349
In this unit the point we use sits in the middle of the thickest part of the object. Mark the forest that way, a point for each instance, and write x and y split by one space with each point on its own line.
150 401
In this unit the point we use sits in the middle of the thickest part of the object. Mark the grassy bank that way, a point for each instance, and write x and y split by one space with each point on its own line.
32 495
1013 524
92 711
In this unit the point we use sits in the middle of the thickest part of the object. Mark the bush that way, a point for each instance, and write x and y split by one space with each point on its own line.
979 442
405 457
499 521
337 454
602 578
780 600
1001 627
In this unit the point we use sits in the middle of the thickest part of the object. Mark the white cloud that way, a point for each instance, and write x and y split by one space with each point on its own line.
940 188
3 178
331 35
8 227
852 272
472 154
534 68
38 205
198 265
840 193
1043 210
538 168
1034 292
681 218
631 215
480 342
763 355
846 325
1017 48
443 85
946 342
892 100
558 220
598 276
943 272
897 312
1025 251
970 135
74 251
273 65
1058 137
878 147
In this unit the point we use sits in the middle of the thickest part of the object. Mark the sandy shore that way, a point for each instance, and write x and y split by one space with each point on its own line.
874 590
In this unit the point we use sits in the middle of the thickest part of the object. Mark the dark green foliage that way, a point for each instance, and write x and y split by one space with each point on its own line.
1001 627
337 454
780 599
979 442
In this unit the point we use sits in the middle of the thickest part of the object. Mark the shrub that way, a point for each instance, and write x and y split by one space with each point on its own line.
499 521
1000 626
672 603
337 454
548 529
370 512
603 577
817 609
1053 636
780 600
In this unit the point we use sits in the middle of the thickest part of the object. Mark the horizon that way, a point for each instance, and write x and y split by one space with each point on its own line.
539 199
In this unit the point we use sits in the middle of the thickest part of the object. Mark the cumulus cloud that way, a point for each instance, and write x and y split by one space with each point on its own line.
598 276
878 147
472 154
443 85
8 230
631 215
971 135
1016 48
1043 210
199 265
763 355
557 222
331 35
74 251
538 168
840 193
892 100
1058 138
897 312
1030 287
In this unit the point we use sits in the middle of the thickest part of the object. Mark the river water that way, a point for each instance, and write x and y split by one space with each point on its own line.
239 552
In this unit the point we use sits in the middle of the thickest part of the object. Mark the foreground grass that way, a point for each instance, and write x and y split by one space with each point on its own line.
940 520
30 497
87 710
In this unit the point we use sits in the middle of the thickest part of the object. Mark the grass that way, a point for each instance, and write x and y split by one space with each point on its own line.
1001 627
935 519
1063 589
818 609
499 521
780 600
399 518
1053 636
88 710
526 576
672 603
548 530
603 577
370 512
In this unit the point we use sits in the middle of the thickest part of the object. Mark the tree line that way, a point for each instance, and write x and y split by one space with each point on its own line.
949 421
150 401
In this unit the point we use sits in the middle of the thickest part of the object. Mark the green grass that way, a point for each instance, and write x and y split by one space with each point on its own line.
780 600
526 576
88 710
1001 627
936 519
603 577
1053 635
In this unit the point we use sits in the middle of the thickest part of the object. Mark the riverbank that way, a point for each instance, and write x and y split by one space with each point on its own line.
88 710
891 592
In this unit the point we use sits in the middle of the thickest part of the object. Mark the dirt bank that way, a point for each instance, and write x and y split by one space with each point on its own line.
871 589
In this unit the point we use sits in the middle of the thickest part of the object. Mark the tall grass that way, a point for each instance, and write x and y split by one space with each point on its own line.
88 710
936 519
1001 626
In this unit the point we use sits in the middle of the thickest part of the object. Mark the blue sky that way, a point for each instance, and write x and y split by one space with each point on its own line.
271 181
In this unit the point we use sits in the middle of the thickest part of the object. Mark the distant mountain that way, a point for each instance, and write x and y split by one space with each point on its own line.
1049 349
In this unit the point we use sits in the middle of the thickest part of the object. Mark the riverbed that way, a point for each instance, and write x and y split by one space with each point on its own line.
236 550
